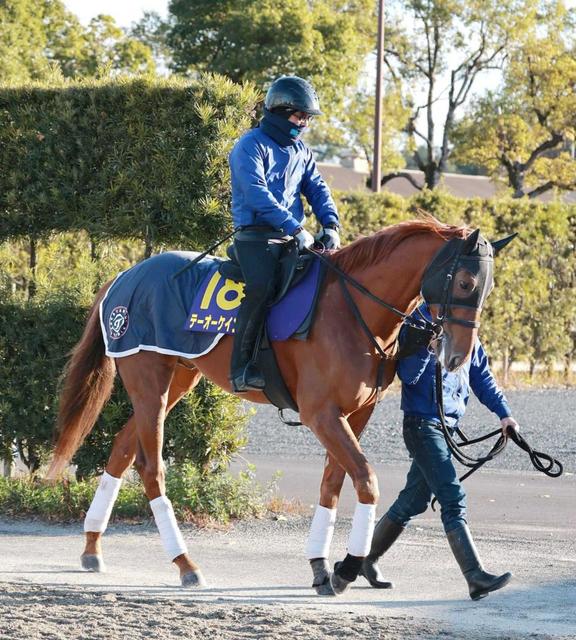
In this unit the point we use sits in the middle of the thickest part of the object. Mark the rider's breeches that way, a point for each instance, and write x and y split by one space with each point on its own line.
259 265
432 473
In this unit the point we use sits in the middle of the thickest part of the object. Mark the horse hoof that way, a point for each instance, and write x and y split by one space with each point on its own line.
321 570
325 588
339 585
92 562
193 580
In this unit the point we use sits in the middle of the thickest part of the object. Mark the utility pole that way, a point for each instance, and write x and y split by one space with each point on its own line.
376 164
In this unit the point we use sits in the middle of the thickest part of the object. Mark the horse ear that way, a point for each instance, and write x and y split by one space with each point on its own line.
470 242
497 245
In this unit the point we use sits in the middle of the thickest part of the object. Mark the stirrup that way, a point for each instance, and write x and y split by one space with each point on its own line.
248 380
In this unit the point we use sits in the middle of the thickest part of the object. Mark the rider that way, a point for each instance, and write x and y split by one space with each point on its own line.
271 168
432 470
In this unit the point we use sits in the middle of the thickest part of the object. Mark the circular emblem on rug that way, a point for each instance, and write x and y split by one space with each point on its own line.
118 322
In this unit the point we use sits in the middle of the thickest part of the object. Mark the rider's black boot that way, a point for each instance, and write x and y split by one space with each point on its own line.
245 375
480 583
386 532
248 378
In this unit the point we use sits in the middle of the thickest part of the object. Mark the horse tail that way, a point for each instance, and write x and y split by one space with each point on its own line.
87 384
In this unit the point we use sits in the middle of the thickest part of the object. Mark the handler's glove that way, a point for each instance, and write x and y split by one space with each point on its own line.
303 238
509 423
328 238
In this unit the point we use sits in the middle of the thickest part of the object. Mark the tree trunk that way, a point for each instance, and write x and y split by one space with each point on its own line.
149 244
94 253
505 367
33 263
7 464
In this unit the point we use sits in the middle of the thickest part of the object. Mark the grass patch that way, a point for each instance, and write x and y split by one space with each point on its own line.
201 498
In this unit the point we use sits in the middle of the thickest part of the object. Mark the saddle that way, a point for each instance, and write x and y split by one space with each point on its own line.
292 268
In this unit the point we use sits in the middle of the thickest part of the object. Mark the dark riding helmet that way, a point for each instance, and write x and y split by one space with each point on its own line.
294 93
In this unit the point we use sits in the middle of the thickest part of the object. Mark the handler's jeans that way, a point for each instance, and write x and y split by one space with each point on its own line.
432 473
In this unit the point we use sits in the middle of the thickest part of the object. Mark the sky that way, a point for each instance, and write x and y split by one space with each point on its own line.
127 11
123 11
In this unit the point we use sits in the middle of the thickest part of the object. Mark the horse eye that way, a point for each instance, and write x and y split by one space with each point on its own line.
464 285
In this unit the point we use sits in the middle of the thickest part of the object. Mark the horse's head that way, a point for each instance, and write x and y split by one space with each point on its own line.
455 285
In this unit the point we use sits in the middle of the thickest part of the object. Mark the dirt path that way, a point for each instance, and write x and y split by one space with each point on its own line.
259 582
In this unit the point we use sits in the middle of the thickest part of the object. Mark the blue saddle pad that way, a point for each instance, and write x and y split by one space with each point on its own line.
148 309
217 301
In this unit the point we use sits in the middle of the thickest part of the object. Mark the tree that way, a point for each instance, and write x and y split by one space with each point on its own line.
105 44
35 35
439 48
526 133
324 41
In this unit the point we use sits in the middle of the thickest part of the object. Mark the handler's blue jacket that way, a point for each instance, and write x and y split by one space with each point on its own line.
267 180
417 373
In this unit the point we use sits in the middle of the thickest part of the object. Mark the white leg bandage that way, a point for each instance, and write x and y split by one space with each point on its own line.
362 529
101 507
170 535
321 532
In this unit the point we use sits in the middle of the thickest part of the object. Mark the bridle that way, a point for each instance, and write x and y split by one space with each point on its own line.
446 300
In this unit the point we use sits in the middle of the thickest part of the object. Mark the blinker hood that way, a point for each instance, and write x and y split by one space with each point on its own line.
461 273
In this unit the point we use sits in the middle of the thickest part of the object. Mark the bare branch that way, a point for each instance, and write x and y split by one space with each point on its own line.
401 174
551 143
541 189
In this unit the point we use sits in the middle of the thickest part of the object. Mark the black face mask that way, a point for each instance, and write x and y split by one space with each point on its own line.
280 129
461 274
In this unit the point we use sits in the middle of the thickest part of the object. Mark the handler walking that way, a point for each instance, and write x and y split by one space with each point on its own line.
432 471
271 168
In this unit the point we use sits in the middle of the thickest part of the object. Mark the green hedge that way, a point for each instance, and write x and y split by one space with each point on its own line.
531 314
196 496
35 337
141 158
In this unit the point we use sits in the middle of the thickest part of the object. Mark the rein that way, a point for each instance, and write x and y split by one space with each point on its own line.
422 325
542 462
344 279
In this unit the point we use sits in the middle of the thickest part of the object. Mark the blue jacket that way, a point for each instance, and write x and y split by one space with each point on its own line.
418 372
267 180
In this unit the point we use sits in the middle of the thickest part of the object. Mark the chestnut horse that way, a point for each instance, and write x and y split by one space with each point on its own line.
331 376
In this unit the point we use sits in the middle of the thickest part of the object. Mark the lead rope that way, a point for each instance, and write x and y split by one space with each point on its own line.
542 462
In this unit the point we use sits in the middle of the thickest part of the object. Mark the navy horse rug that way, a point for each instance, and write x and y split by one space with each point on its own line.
147 308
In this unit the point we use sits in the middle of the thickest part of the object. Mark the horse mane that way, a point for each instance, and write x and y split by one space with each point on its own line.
367 250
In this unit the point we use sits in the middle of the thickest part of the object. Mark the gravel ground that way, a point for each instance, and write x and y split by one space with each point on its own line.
547 420
259 581
259 587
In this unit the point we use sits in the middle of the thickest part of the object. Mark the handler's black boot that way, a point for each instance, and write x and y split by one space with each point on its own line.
386 533
480 583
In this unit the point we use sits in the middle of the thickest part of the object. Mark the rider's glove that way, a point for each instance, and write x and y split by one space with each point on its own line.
328 238
303 238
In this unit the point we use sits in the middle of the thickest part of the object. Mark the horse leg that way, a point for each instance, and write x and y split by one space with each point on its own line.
126 446
185 379
98 515
147 378
335 433
322 526
121 458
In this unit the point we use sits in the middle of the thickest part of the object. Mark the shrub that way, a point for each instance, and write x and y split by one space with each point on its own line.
197 497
